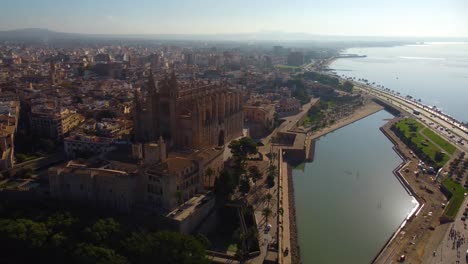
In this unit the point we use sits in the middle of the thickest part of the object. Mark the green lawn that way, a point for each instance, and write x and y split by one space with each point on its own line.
232 247
449 148
23 157
457 197
287 67
411 129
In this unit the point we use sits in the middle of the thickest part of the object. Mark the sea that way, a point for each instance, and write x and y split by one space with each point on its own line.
435 72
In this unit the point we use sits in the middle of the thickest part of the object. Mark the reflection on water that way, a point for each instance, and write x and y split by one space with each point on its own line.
348 202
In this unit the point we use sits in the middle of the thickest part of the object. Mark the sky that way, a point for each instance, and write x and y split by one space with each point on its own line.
435 18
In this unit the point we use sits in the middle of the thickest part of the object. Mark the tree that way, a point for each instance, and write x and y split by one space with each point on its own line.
102 231
268 198
87 253
271 180
224 185
174 247
138 247
244 186
255 173
203 240
23 233
60 221
272 170
348 86
438 156
266 213
243 147
209 172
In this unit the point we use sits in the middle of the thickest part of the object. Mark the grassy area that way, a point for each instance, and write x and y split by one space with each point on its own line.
456 200
232 247
23 157
287 67
411 130
449 148
312 119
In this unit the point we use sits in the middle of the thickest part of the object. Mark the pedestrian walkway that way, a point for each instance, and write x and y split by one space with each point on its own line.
285 232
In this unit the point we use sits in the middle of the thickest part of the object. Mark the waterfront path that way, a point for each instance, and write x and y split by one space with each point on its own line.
454 244
285 231
418 233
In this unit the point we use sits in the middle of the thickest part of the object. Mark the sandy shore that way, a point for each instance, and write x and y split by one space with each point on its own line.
366 110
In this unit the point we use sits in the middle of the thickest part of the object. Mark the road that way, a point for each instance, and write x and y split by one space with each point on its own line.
449 128
446 128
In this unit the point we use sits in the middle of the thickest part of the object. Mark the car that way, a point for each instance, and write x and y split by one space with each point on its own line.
403 257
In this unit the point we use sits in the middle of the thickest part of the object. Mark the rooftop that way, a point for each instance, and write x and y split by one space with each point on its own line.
189 207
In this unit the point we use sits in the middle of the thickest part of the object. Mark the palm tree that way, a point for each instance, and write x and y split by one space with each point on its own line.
267 213
255 173
209 172
268 197
272 170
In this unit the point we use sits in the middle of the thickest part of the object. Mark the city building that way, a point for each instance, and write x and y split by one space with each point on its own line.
9 114
259 118
188 115
288 106
80 144
295 58
53 123
101 184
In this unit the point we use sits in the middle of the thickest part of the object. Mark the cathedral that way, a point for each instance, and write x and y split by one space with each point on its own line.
190 114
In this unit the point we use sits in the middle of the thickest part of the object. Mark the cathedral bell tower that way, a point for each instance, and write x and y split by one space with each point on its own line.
168 117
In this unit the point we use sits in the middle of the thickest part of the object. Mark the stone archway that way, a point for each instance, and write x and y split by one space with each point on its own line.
221 138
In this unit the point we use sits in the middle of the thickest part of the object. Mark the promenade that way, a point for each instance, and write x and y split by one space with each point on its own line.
285 231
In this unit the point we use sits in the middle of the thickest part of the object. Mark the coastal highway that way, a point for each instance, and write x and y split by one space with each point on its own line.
450 130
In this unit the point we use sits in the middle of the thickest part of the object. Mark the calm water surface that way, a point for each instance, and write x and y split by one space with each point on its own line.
348 202
436 73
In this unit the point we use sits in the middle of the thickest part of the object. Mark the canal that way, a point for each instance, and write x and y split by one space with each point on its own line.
348 202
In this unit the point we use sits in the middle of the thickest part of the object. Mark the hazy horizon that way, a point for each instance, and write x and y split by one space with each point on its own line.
367 18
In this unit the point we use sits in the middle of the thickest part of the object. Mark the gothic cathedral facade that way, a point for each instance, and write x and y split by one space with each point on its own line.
190 114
